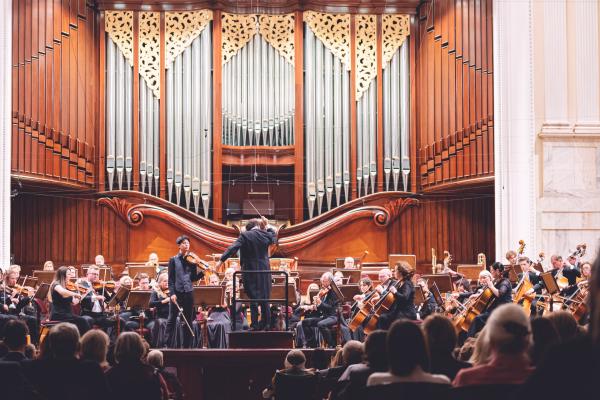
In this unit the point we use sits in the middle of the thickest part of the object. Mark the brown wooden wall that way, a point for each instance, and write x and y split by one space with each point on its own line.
454 85
54 90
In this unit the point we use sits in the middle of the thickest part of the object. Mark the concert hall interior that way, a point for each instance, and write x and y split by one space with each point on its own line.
299 199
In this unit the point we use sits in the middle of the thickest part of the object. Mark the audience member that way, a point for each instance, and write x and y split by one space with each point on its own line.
508 334
565 325
355 376
408 359
94 347
59 374
544 336
294 381
15 338
350 354
155 359
481 348
132 378
441 341
465 353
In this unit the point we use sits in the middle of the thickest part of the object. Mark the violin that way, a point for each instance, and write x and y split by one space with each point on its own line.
106 285
73 287
193 258
18 289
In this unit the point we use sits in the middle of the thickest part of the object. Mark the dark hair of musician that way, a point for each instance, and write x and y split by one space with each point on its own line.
406 348
375 350
181 238
129 348
60 277
498 266
440 334
404 269
252 223
15 334
366 281
465 283
62 343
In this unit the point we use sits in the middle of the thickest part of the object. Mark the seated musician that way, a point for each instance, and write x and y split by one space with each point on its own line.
429 306
403 291
153 262
304 308
366 288
463 290
385 280
367 292
502 291
92 304
48 266
533 276
16 302
99 261
325 304
349 263
511 257
218 322
143 283
569 272
159 301
62 300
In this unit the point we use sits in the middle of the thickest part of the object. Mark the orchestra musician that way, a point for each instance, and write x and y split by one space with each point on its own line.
63 299
367 292
159 301
253 245
15 301
92 304
501 288
143 282
182 274
560 270
511 257
349 263
403 291
99 261
48 266
218 322
533 276
325 306
429 306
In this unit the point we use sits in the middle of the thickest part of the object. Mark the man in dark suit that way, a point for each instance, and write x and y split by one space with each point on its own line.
182 274
560 270
253 245
326 308
533 276
15 338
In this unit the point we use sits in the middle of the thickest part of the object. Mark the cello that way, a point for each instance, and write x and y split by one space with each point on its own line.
385 303
478 306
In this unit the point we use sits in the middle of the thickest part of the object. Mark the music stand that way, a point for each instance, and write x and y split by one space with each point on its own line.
207 296
337 291
136 270
437 295
339 263
411 259
419 296
138 299
353 275
119 297
470 272
442 281
104 273
278 292
44 276
349 291
42 292
550 282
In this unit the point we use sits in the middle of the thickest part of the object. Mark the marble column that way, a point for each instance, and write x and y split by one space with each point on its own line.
514 134
5 128
587 73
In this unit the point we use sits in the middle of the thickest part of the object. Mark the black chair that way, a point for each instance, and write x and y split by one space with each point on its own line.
295 387
478 392
406 390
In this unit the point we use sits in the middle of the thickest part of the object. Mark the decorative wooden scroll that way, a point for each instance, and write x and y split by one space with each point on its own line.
395 30
181 28
149 55
278 31
136 209
334 31
237 30
366 52
119 26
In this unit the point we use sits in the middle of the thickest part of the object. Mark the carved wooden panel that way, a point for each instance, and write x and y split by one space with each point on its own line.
149 56
395 30
278 31
237 30
119 26
334 31
181 28
366 52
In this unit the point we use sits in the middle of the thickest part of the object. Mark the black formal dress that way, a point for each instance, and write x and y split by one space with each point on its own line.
402 308
253 246
61 310
181 276
158 324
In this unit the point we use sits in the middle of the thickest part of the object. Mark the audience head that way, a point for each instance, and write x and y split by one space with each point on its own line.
375 350
466 350
440 335
129 348
509 330
406 348
481 352
48 266
565 325
155 358
349 262
337 360
94 346
403 271
352 352
15 335
295 359
544 337
30 351
62 342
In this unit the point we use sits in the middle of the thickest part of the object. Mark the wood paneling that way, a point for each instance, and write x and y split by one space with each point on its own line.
454 101
54 96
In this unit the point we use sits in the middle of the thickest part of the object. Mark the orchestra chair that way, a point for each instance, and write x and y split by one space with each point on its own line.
407 390
292 387
45 327
487 392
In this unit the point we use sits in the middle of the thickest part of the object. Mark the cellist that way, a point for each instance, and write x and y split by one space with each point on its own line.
404 293
502 291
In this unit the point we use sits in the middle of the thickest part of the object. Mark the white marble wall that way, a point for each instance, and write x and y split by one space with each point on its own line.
5 128
558 66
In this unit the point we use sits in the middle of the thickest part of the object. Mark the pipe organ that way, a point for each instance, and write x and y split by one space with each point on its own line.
353 123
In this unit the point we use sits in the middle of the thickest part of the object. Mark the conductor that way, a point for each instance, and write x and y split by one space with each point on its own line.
253 244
